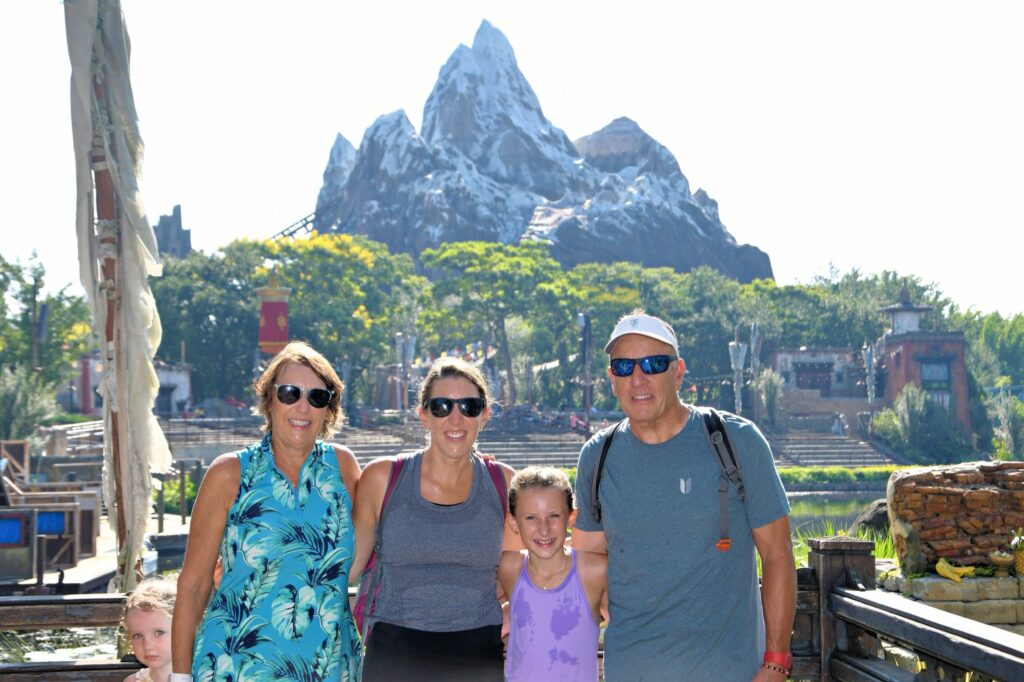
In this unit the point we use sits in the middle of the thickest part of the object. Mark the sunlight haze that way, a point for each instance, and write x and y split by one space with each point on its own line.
877 136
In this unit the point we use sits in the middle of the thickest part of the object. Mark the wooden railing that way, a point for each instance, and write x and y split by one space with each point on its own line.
66 611
855 620
841 625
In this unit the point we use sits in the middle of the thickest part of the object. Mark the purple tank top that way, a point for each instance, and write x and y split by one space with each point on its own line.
552 634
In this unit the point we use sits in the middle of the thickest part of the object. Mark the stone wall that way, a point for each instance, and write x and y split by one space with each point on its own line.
961 512
995 601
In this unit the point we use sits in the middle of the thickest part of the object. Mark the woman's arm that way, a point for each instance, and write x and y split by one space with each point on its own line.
510 541
206 531
508 572
366 512
349 467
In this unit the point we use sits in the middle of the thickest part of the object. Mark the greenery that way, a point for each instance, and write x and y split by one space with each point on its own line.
350 296
828 476
26 400
885 547
1008 419
172 495
920 429
41 335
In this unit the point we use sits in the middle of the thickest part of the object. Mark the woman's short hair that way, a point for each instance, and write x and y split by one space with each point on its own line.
300 353
540 477
152 594
453 367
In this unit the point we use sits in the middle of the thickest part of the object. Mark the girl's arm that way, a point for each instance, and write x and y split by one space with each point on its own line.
593 568
209 517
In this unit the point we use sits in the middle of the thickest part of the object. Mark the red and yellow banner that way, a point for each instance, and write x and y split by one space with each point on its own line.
273 326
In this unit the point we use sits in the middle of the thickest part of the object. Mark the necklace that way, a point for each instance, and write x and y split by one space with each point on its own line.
554 577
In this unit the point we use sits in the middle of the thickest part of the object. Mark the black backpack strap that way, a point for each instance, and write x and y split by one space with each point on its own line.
595 483
729 469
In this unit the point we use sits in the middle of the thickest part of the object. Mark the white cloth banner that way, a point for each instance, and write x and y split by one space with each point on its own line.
99 50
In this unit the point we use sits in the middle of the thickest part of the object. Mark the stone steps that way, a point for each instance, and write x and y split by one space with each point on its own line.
807 448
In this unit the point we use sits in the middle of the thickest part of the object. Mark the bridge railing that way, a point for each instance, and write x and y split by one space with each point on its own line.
854 619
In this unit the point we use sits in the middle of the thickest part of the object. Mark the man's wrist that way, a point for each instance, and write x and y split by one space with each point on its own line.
780 661
775 668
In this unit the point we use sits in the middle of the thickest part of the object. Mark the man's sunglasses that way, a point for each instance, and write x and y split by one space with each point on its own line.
469 407
317 397
652 364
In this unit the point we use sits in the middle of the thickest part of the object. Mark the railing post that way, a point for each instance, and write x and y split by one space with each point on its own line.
182 498
842 562
160 506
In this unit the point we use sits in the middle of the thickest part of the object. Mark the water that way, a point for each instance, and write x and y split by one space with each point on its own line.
75 644
825 514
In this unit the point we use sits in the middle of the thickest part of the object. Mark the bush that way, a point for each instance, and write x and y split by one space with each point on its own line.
26 400
172 494
920 429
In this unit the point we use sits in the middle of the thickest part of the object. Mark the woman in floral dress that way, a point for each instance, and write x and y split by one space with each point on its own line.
278 515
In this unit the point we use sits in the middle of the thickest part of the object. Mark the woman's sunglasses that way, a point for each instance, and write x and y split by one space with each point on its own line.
652 364
317 397
469 407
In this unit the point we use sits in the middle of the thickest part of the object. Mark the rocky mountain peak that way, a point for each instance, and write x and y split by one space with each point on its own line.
483 106
490 166
622 145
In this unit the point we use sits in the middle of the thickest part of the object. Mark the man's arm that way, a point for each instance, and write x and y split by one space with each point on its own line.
589 541
778 588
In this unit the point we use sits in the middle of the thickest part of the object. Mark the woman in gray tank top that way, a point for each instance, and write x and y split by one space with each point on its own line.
437 616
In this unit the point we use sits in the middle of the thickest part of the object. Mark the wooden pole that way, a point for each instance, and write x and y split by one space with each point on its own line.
110 249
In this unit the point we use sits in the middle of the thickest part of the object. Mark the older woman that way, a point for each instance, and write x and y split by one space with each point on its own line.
278 515
436 616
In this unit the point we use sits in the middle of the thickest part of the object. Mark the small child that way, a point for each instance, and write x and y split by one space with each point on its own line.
557 594
147 624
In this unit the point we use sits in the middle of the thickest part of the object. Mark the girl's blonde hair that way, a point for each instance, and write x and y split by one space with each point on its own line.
152 594
540 477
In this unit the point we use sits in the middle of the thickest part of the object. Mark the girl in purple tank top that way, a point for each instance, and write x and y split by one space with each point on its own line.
557 595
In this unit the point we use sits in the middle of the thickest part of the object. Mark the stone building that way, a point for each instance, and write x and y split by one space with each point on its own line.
933 360
171 238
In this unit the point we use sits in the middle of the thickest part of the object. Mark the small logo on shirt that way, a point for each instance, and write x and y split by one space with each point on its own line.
685 484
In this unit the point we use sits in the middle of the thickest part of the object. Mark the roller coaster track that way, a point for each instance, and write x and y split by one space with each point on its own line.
299 227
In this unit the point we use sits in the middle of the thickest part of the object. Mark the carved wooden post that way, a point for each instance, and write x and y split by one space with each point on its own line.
838 562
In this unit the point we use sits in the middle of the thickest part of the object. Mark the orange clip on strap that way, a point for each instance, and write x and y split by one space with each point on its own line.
723 544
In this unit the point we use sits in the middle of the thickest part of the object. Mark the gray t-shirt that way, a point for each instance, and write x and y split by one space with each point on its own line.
680 609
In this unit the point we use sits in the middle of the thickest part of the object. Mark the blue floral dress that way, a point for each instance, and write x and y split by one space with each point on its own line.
282 611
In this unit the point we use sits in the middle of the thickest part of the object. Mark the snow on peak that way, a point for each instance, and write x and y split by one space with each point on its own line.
491 41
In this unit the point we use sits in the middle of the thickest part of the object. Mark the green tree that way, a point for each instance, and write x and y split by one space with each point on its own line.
51 329
486 284
348 296
26 401
210 316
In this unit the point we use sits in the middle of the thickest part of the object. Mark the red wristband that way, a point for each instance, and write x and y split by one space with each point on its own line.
782 658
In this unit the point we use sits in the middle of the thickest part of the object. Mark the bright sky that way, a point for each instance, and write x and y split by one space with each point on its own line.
869 135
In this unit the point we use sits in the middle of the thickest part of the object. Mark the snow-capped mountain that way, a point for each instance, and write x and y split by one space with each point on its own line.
489 166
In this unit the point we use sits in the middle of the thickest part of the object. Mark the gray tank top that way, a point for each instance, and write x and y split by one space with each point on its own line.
440 562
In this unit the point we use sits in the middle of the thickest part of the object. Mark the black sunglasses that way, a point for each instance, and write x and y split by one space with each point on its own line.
317 397
652 364
469 407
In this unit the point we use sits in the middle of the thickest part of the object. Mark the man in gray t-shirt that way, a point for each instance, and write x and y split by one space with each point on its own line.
679 608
